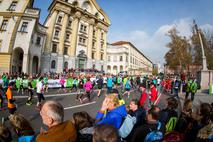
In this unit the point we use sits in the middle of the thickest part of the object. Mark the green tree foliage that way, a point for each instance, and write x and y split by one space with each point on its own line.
183 52
179 51
155 71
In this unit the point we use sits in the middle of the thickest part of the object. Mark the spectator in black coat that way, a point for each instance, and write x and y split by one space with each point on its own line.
151 124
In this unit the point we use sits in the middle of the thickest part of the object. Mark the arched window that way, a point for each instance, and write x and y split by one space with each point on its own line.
53 64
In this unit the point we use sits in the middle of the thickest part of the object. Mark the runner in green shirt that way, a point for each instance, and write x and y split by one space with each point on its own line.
18 84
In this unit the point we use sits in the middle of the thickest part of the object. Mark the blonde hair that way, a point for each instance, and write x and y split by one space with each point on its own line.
113 99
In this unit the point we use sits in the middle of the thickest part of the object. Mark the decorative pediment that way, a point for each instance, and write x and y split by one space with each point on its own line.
92 7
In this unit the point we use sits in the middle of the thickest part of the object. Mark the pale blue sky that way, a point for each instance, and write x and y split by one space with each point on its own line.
145 22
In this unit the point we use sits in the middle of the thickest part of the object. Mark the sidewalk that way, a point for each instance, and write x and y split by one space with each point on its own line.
199 98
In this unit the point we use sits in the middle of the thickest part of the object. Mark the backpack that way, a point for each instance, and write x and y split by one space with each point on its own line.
154 136
170 126
127 126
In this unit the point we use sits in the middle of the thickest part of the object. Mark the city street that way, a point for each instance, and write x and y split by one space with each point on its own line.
71 105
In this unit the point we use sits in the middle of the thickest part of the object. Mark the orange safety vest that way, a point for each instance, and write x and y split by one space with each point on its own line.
9 96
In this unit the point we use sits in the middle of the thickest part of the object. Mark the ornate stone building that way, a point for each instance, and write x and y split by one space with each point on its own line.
123 56
76 36
21 37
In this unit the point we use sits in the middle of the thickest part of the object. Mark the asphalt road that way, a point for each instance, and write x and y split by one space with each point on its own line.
70 104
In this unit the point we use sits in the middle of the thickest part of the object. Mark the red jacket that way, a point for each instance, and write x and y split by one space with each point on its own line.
143 98
153 94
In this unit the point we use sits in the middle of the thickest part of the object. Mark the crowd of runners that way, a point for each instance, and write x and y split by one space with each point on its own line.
140 120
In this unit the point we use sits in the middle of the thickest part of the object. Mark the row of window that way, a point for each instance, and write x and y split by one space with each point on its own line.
57 35
5 23
60 19
54 50
115 58
83 28
53 65
135 61
22 29
93 56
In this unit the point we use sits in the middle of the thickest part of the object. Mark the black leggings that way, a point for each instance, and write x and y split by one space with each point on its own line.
88 94
192 95
40 97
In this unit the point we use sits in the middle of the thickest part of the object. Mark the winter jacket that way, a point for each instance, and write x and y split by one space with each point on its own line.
64 132
143 98
113 117
153 94
140 115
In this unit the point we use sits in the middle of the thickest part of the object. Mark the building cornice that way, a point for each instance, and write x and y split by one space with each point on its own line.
101 11
11 14
4 53
69 8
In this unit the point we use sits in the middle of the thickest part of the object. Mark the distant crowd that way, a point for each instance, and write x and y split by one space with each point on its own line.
142 120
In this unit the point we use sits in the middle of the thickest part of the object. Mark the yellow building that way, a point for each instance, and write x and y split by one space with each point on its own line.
21 37
76 36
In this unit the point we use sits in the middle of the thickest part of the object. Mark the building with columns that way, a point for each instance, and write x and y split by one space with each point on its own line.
123 56
76 36
22 38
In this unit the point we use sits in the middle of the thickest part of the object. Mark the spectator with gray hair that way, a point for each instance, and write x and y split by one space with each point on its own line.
52 114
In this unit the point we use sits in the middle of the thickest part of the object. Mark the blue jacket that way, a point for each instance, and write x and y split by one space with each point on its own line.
27 139
113 117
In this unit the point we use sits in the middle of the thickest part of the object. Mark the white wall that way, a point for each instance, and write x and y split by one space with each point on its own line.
5 4
5 36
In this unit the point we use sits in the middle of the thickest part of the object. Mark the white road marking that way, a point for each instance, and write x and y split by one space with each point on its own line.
66 108
47 96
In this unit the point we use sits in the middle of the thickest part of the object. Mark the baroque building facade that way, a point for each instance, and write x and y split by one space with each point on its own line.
123 56
22 38
76 36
